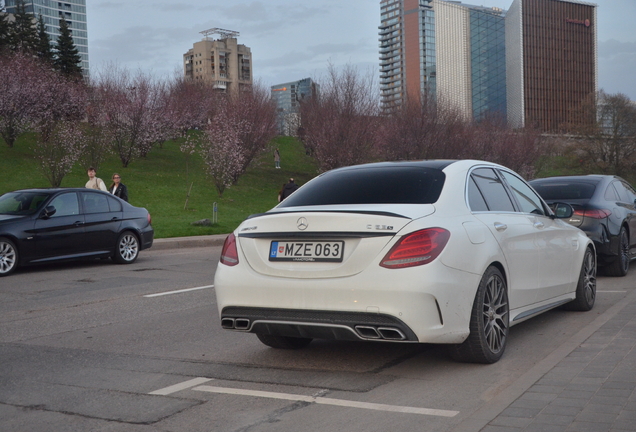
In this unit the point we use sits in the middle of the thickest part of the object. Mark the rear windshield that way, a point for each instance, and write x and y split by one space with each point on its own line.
379 185
565 191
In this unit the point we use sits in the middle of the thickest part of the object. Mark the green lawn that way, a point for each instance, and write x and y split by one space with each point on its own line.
161 181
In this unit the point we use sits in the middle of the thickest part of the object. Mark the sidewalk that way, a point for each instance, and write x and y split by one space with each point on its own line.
587 385
188 242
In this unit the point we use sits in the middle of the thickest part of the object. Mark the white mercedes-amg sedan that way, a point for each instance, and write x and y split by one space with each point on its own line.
439 251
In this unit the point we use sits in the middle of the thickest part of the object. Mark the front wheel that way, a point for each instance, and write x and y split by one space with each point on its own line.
586 287
127 248
489 322
8 257
283 342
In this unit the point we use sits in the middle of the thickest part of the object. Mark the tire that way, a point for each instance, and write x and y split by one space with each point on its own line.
620 265
489 322
127 248
8 257
283 342
586 287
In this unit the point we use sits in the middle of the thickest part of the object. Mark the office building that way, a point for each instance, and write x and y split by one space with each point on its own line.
450 51
407 51
552 63
288 97
73 11
222 62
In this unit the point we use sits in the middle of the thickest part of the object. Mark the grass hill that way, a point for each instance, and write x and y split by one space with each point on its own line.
161 181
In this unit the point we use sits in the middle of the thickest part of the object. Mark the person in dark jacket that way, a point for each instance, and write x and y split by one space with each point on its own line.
118 188
288 189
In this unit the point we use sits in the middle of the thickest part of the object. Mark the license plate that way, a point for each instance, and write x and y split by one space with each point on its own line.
306 251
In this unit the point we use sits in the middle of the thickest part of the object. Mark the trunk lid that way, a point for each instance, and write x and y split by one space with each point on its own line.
292 242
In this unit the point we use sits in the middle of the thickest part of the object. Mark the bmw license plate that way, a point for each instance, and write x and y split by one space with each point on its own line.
307 251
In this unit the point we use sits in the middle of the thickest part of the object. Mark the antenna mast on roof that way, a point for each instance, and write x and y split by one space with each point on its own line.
222 32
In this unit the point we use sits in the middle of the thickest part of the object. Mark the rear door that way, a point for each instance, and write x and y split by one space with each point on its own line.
491 204
103 217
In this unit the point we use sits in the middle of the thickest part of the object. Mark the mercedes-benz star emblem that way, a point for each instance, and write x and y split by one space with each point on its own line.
302 223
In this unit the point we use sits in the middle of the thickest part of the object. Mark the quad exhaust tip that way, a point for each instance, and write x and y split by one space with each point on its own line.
388 333
235 323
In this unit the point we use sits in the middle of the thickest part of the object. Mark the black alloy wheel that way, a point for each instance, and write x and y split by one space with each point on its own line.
620 266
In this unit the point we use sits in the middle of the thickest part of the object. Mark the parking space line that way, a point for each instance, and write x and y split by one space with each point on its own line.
179 291
181 386
328 401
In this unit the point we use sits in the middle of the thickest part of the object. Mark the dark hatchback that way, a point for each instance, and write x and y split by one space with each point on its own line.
604 207
46 225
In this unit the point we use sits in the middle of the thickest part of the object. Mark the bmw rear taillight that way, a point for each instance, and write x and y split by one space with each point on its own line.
418 248
229 254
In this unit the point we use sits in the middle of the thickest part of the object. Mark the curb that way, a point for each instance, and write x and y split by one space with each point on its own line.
188 242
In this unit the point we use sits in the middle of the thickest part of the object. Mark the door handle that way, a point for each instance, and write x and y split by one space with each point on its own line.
539 225
500 227
78 223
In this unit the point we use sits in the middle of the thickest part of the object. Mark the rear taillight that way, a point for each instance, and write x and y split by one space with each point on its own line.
594 213
579 214
418 248
149 219
229 254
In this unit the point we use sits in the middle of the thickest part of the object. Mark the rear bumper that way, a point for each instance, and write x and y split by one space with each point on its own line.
147 237
429 303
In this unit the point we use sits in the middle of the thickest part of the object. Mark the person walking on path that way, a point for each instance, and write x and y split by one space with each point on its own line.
95 182
118 188
277 159
288 189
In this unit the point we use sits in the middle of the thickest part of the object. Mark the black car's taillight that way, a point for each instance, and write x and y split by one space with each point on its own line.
580 214
229 254
418 248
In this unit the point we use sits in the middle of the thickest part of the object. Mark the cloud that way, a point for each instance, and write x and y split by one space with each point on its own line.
617 67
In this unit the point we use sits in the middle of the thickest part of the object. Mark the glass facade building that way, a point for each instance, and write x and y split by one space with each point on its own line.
488 58
288 97
73 11
452 52
407 50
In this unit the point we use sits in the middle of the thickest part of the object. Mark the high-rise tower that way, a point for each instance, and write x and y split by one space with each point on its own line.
552 63
73 11
223 62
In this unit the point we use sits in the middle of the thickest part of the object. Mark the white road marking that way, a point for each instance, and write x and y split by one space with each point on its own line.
328 401
179 291
609 291
181 386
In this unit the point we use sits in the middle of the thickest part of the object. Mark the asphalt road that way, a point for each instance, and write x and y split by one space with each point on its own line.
95 346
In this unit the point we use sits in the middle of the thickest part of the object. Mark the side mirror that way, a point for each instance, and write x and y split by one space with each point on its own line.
48 212
562 210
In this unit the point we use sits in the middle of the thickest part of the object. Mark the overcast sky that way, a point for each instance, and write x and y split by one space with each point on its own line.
295 39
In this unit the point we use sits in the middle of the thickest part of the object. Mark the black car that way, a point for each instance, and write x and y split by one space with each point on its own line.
604 207
46 225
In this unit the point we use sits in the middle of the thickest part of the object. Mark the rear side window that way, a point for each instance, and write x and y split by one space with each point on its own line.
564 191
115 206
379 185
492 190
95 203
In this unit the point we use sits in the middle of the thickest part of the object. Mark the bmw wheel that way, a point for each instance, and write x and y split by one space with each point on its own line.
620 265
489 322
127 248
8 256
586 287
283 342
